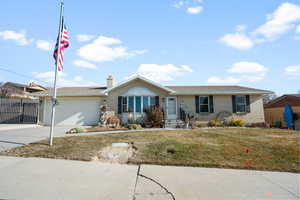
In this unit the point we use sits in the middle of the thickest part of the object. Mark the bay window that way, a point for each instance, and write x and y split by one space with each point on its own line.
152 102
130 103
137 104
146 103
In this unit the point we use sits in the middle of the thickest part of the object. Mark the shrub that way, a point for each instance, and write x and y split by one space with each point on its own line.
75 130
237 122
134 126
257 125
200 124
154 117
140 121
215 123
171 150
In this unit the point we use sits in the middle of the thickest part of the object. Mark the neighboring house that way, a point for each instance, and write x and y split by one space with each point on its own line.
274 110
18 90
80 105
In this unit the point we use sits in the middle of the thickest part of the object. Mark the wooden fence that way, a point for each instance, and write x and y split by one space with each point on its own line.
18 111
273 115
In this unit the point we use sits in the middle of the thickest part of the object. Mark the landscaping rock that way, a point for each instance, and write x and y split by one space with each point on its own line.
75 131
116 153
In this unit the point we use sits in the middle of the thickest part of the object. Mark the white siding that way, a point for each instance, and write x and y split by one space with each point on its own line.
74 111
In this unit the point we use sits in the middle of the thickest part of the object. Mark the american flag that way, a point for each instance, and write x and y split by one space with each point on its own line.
64 43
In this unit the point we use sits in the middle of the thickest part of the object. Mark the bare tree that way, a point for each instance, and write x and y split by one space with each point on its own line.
4 92
269 97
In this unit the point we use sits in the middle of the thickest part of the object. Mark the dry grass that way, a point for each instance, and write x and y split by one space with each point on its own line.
242 148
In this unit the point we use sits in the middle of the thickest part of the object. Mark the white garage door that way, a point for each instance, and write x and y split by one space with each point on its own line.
76 111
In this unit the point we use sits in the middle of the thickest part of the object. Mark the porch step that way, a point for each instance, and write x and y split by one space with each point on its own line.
174 124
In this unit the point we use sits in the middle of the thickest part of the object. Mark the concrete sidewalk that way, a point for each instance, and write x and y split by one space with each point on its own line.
49 179
37 178
195 183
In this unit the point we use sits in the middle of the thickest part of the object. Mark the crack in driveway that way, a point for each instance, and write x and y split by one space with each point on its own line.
165 192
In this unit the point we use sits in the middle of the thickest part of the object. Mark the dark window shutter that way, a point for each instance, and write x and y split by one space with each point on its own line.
233 104
157 100
247 103
119 104
197 104
211 104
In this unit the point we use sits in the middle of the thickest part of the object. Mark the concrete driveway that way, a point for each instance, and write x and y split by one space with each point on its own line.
37 178
16 135
4 127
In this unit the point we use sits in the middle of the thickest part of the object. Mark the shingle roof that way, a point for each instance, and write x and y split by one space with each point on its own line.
74 91
295 95
180 90
14 84
194 90
291 99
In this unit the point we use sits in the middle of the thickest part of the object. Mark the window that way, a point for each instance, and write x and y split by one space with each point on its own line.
240 104
124 104
146 102
130 103
204 104
152 102
138 104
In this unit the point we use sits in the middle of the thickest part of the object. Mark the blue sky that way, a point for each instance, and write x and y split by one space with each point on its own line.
252 43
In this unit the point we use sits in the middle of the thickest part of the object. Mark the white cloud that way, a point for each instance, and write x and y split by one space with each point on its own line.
247 67
192 7
247 72
62 80
178 4
226 80
84 64
279 22
84 37
240 28
293 71
105 49
194 10
46 75
43 45
161 73
298 29
187 68
238 41
19 37
250 71
138 52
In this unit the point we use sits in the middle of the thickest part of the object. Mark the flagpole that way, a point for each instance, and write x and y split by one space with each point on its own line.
53 100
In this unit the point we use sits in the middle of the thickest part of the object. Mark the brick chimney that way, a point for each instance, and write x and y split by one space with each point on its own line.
110 81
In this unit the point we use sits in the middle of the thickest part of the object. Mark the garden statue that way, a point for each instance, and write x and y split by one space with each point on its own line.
103 116
113 121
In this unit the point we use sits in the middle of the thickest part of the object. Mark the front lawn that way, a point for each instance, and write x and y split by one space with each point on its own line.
242 148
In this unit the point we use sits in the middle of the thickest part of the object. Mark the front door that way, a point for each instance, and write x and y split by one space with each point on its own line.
171 108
